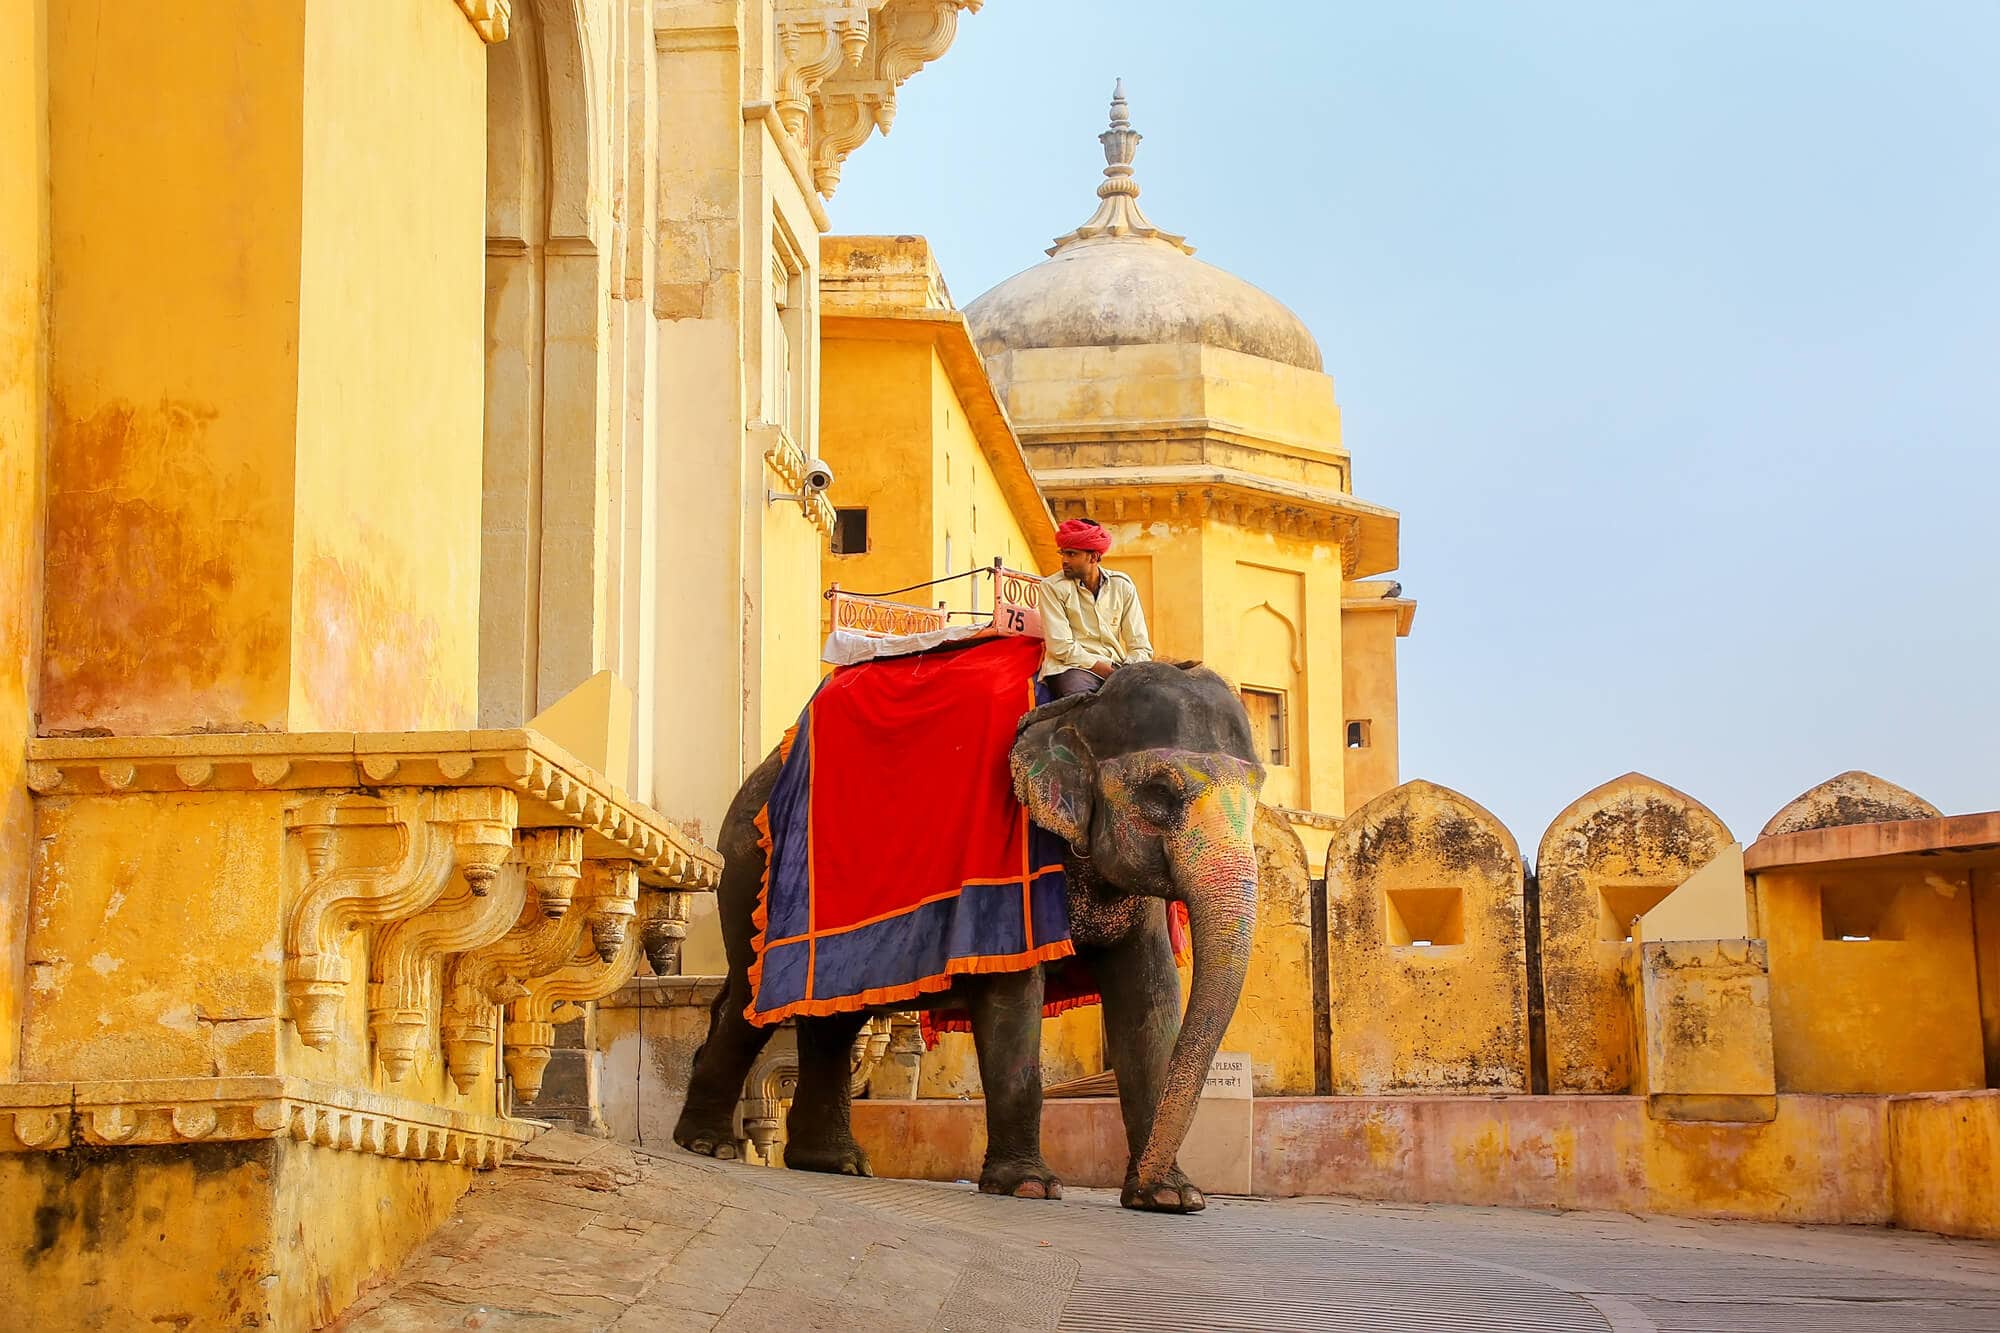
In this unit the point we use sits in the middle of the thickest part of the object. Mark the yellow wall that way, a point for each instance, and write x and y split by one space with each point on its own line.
1368 693
876 431
176 139
1845 1015
24 368
257 1234
969 505
391 314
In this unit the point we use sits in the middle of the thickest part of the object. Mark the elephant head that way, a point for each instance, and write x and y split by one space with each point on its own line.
1154 778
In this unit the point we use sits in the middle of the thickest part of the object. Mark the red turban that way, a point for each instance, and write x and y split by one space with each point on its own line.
1080 534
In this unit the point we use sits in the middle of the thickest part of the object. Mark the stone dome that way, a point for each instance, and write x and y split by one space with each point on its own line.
1119 281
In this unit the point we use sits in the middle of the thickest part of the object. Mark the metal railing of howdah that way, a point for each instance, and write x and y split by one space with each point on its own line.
1016 606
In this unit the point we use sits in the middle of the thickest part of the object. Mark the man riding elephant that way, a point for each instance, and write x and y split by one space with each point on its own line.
1091 619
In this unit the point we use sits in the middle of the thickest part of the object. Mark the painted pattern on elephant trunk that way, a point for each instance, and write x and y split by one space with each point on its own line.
1199 811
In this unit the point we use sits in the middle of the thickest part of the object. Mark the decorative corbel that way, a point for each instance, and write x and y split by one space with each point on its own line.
841 123
663 929
489 18
406 956
813 42
480 980
531 1032
344 889
850 104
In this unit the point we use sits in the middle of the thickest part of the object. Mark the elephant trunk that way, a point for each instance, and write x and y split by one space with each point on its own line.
1214 866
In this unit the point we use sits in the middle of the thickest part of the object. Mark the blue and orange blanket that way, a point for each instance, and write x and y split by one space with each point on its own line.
896 855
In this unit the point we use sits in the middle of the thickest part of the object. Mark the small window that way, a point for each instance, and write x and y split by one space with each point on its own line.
1267 724
1424 918
1357 734
850 531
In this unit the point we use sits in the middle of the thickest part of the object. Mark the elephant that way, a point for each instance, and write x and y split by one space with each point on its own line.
1153 779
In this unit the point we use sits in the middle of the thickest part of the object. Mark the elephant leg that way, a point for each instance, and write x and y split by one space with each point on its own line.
1142 1006
707 1122
1007 1032
818 1135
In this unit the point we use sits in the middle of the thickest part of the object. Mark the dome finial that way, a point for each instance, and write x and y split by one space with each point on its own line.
1118 212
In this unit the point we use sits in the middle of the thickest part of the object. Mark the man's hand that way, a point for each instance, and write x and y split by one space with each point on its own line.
1102 668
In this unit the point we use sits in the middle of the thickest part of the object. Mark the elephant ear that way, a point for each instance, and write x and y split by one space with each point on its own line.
1054 774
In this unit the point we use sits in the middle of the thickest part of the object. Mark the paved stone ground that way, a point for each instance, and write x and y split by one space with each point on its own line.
586 1235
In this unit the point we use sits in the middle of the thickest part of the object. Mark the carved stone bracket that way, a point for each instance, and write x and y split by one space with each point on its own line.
408 955
814 40
530 1031
348 882
480 981
840 65
46 1117
489 18
663 930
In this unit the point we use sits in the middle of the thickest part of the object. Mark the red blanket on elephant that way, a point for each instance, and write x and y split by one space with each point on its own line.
896 855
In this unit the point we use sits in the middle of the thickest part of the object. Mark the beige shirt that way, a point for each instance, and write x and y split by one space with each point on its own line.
1079 628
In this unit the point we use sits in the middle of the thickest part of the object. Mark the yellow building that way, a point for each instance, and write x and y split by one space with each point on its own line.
1187 411
930 481
290 899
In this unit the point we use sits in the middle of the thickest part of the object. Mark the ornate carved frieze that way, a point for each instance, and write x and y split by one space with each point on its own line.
489 18
45 1117
553 787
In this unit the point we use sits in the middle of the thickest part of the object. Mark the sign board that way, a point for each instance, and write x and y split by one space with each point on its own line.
1228 1076
878 617
1017 603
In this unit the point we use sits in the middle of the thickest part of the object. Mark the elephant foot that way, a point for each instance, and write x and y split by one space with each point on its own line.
835 1159
1173 1194
722 1149
1029 1179
707 1139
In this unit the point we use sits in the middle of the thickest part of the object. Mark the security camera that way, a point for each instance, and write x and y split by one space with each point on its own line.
819 476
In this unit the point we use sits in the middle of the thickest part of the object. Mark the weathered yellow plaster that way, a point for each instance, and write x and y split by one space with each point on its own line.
1426 948
1611 856
24 371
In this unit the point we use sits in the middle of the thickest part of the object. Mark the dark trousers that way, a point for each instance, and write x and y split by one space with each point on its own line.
1076 680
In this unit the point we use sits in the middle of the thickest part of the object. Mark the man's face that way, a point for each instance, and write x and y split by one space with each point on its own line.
1078 564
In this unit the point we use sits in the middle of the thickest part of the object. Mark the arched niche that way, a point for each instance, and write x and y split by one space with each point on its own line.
545 528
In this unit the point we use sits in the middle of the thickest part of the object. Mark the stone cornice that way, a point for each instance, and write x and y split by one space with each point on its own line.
48 1117
489 18
949 335
553 787
1404 607
1306 818
1367 533
1179 430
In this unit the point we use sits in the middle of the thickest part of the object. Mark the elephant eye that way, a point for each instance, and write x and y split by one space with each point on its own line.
1159 799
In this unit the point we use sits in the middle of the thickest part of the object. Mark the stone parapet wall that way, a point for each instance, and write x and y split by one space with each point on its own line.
1830 1160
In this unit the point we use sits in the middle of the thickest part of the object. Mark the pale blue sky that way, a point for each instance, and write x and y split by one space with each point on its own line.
1671 330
